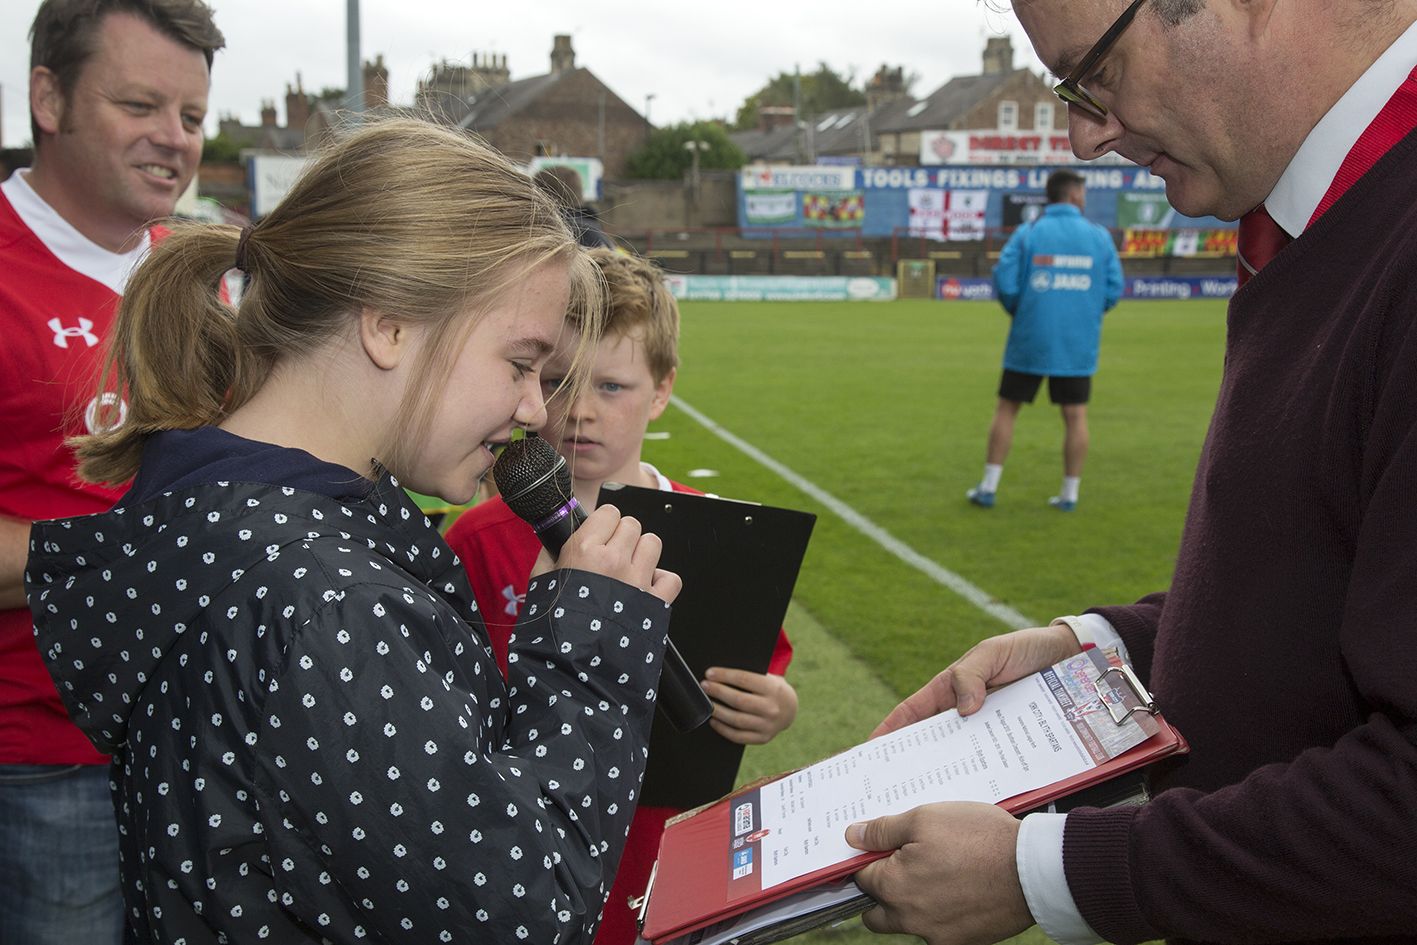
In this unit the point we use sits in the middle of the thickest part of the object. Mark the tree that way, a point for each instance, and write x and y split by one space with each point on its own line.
821 91
221 148
664 156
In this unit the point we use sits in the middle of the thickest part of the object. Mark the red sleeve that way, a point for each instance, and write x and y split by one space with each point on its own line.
781 654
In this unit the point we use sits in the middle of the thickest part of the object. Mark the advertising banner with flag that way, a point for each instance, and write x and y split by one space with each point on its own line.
765 208
1143 210
927 213
834 210
1185 243
964 214
948 214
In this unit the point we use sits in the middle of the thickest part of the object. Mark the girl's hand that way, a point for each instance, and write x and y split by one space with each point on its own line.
613 545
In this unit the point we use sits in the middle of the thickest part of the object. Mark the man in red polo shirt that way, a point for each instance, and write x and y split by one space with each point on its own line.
118 93
1284 648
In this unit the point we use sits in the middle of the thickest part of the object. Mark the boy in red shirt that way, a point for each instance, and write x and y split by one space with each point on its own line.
601 433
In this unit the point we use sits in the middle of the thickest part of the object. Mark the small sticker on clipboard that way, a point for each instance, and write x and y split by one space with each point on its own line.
743 819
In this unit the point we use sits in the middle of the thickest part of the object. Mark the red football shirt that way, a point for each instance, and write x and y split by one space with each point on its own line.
53 317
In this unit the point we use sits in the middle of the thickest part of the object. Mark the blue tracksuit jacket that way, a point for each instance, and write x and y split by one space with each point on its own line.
1056 276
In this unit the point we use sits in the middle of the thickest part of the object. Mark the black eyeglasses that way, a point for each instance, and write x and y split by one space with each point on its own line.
1069 90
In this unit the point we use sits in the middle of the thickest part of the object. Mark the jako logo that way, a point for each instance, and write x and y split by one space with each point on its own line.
62 334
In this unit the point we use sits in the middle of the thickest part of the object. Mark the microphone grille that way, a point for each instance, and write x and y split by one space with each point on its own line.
533 478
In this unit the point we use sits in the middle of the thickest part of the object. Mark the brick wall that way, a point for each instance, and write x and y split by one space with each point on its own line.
1026 89
631 208
225 182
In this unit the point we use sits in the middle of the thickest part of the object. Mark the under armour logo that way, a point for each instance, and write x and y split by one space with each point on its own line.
513 599
62 334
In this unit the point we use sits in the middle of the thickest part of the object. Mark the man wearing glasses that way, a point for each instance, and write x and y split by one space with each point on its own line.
1285 648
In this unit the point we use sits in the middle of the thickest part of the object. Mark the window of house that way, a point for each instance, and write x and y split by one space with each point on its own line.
1008 116
1042 116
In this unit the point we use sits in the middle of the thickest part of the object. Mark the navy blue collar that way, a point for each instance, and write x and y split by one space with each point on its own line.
178 459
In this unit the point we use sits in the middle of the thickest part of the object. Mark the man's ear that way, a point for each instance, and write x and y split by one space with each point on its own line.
662 392
386 340
46 100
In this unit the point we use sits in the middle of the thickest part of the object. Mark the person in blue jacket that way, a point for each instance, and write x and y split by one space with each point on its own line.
1056 277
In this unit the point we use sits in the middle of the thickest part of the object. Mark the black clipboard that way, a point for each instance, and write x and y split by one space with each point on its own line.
739 562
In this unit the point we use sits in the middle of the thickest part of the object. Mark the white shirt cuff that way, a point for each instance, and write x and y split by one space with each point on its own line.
1095 629
1039 855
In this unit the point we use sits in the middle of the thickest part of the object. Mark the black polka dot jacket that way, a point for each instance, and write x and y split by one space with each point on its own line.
311 739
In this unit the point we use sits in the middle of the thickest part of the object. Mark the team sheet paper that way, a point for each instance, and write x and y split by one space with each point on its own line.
1034 732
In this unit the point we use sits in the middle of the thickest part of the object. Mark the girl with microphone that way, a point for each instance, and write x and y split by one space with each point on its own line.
311 738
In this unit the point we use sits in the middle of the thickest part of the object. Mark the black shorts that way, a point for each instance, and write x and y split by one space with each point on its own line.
1064 391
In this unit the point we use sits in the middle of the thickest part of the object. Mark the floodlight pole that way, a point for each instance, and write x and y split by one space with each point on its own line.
354 89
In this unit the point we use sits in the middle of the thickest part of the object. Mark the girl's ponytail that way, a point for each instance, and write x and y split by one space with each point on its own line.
172 359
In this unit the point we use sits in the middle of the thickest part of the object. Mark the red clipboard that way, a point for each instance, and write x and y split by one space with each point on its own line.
689 889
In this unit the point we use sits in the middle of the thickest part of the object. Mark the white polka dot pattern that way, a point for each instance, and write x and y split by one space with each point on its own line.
311 738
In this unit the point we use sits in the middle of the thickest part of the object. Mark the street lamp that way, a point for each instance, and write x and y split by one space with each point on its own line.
695 148
649 97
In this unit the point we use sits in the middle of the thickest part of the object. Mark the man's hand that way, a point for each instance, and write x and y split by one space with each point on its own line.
992 662
952 879
749 708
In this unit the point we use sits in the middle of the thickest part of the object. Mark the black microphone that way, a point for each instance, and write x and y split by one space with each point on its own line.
535 482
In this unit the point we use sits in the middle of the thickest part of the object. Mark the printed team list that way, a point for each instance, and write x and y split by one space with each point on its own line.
1042 729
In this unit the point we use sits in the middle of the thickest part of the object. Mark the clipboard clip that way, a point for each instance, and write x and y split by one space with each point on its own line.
1148 704
639 905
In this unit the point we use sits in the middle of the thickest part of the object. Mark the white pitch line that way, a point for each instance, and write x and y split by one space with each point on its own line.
932 569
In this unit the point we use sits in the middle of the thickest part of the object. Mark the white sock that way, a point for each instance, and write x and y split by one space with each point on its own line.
992 472
1069 491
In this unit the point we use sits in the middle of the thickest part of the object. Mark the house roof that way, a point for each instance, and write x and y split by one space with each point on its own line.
837 131
491 107
940 108
840 130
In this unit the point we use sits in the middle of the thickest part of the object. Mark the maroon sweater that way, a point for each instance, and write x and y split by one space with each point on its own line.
1286 649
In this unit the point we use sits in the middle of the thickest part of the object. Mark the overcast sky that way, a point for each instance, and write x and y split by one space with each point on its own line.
698 59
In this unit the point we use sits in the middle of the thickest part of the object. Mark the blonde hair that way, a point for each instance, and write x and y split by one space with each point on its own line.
401 216
640 305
